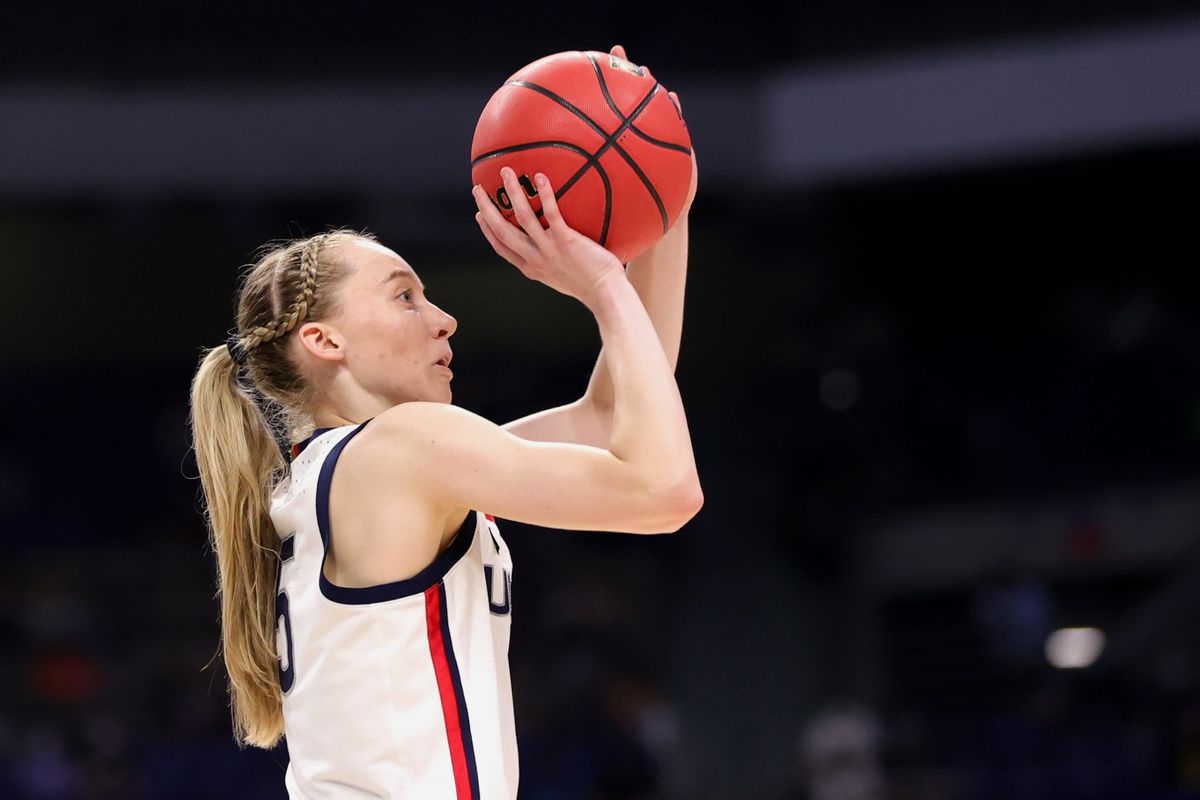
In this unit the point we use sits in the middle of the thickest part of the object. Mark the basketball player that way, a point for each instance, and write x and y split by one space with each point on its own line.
365 588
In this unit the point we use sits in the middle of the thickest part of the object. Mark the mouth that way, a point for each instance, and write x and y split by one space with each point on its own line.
444 361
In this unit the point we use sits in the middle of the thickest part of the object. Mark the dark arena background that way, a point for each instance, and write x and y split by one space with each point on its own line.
941 359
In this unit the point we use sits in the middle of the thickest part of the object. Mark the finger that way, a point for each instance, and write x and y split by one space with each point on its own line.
675 99
619 52
521 208
550 210
487 207
501 249
513 238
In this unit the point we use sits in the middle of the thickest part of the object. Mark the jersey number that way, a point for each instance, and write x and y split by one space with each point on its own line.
283 622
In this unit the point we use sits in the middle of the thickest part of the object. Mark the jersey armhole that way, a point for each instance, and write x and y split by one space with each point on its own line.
363 595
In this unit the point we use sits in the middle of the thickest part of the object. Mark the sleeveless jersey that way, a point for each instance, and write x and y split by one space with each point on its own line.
394 691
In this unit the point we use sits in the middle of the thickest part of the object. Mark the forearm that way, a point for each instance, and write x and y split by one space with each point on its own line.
659 276
648 424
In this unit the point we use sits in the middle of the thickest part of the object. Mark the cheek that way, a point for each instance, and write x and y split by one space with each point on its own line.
397 355
397 341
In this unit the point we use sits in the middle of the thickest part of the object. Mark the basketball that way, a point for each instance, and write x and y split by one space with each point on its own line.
608 136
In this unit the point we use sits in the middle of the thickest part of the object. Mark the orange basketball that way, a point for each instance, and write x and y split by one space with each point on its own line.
604 131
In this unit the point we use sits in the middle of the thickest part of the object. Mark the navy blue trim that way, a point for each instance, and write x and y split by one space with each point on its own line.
298 447
464 719
495 541
417 584
325 478
383 592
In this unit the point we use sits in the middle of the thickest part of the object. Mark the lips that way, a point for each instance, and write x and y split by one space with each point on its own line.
444 361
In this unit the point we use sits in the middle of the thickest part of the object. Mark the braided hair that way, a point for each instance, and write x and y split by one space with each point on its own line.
295 313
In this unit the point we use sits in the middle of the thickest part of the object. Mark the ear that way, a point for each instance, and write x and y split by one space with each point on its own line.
322 340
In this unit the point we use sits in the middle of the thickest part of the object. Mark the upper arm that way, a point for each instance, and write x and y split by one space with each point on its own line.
457 459
580 422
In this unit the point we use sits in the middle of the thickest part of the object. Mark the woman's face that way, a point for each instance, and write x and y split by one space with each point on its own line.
397 343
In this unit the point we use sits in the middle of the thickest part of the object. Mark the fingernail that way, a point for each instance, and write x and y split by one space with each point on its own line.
540 179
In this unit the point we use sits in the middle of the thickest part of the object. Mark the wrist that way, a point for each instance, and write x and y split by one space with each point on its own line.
608 290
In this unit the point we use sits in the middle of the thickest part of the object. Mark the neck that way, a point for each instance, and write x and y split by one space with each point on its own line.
342 401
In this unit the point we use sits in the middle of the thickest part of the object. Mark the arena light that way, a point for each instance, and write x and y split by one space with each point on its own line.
1074 648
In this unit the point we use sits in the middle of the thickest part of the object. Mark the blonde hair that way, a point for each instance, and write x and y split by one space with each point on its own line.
248 398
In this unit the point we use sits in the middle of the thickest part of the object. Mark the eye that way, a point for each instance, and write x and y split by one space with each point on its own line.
406 295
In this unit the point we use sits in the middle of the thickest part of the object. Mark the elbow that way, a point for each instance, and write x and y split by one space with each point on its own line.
679 505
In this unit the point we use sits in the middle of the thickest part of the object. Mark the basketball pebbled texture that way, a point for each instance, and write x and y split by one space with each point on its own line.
607 135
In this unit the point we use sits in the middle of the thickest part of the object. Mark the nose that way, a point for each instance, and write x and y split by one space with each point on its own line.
444 325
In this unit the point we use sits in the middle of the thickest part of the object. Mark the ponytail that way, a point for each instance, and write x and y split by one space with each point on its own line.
239 462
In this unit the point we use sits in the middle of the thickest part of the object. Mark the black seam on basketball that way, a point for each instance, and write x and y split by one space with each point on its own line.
621 116
516 148
611 141
604 89
679 148
609 138
627 124
654 195
607 194
558 193
637 170
607 204
562 101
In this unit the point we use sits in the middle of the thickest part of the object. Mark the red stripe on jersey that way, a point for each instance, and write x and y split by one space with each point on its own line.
445 682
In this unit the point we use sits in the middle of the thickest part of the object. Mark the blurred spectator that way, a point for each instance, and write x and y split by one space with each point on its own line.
841 752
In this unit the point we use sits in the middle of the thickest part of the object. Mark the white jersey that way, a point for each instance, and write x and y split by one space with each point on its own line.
394 691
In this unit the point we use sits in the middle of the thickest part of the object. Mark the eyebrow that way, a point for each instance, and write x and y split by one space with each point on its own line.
401 272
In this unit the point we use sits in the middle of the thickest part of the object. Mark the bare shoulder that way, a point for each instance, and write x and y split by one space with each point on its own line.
412 439
420 416
418 425
392 439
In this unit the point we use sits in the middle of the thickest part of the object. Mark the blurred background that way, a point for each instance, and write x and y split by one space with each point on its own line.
941 359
